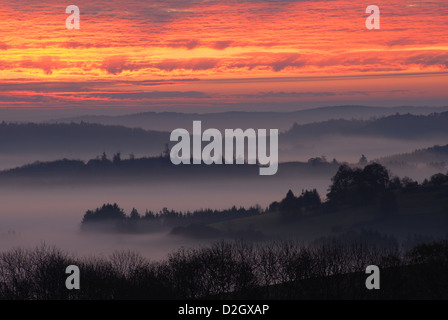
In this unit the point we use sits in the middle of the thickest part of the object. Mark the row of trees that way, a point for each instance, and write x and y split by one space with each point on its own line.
330 268
349 186
115 218
309 200
371 185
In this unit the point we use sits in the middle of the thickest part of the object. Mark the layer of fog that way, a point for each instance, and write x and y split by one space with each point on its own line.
350 148
30 217
342 148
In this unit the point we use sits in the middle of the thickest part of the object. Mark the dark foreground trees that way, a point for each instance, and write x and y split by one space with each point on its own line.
331 268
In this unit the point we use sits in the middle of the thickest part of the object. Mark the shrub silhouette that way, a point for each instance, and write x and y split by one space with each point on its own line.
330 267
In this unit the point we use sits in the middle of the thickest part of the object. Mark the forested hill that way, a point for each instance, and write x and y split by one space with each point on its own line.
107 169
434 155
83 138
398 126
33 138
167 121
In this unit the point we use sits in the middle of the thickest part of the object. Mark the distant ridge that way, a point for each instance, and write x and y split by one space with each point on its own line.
167 121
87 139
400 126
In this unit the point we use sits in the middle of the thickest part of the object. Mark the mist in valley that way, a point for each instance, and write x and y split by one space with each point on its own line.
36 211
52 215
30 216
350 148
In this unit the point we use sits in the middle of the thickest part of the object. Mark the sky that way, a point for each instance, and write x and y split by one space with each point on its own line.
222 55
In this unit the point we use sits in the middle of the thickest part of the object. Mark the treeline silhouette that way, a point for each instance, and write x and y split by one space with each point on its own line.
99 166
308 201
331 268
112 218
434 156
372 186
351 187
105 169
118 168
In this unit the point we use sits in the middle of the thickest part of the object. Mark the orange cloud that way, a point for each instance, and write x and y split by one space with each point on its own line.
189 44
47 64
190 64
153 41
117 64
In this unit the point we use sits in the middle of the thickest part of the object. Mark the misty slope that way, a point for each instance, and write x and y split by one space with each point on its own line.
27 142
168 121
421 211
432 155
418 164
150 170
396 126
